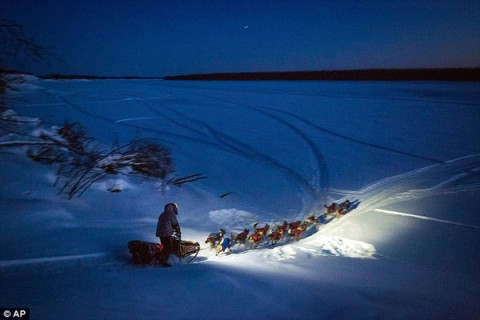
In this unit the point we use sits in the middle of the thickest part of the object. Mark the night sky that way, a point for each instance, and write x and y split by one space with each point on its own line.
163 37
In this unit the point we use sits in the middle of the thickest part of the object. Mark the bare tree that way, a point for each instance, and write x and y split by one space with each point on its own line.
81 163
15 47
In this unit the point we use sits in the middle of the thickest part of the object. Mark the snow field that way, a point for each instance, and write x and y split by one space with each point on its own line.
283 150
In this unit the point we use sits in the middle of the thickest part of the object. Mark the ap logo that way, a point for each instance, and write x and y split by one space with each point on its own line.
15 314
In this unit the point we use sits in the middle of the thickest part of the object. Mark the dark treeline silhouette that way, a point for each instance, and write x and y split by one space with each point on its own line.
90 77
444 74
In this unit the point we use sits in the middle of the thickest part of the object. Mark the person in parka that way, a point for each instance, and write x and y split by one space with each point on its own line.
166 226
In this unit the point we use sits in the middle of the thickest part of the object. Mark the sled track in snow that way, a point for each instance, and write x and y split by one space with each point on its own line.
339 135
320 170
449 177
317 189
332 133
213 138
320 167
22 262
220 141
165 135
404 214
230 144
358 141
398 188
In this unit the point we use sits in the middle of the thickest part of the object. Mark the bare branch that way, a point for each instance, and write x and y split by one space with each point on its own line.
80 162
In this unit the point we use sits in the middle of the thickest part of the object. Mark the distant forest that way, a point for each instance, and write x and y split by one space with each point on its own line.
89 77
445 74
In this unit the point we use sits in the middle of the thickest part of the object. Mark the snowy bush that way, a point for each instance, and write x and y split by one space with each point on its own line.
80 161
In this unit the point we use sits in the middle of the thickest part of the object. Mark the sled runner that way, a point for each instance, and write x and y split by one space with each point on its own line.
144 252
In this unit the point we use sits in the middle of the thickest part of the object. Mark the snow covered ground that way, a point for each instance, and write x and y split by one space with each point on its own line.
408 151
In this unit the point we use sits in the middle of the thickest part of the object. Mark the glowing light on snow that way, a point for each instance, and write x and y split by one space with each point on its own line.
232 218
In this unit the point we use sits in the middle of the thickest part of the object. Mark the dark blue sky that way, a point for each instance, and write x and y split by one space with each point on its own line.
163 37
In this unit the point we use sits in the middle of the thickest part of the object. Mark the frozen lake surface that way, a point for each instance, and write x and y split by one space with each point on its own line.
408 151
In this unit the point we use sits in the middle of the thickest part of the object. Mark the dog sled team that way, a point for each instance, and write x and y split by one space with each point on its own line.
222 243
169 233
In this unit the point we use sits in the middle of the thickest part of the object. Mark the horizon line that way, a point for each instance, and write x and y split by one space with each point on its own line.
443 73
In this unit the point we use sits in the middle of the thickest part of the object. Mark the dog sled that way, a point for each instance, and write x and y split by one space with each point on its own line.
144 252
